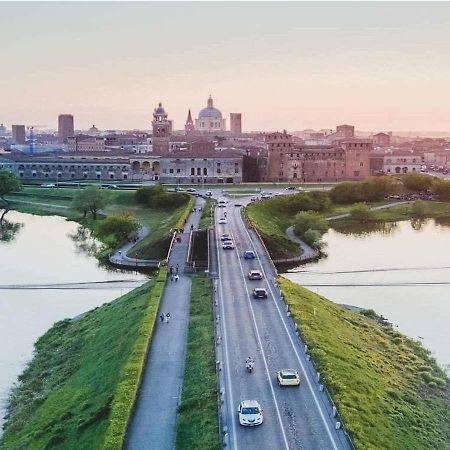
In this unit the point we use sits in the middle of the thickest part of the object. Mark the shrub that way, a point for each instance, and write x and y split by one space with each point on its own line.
158 197
119 227
419 209
372 189
417 181
361 213
442 189
313 238
308 220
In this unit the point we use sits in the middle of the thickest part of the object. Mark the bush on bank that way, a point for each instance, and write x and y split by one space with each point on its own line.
370 190
390 392
68 396
157 197
130 379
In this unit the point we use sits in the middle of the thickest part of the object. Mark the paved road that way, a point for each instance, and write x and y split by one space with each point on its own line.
153 425
294 418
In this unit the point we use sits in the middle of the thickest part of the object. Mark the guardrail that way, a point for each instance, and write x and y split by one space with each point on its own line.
314 371
312 368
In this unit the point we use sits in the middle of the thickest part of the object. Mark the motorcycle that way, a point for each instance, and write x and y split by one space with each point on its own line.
249 364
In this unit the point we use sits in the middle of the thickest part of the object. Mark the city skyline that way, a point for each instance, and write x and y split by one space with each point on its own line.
291 65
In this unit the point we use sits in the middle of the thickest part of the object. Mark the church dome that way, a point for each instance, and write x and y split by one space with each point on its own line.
210 112
160 109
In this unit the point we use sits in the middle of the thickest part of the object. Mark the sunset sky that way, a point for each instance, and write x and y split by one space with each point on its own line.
379 66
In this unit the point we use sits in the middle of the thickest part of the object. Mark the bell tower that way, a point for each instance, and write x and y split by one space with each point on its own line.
162 129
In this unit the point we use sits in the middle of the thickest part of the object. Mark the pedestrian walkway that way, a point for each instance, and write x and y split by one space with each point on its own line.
153 425
120 258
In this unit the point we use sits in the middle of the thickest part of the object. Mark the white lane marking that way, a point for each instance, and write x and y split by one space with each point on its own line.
225 343
261 346
306 375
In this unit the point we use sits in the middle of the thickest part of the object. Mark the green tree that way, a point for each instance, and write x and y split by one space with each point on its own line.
90 199
419 208
442 189
361 213
157 197
313 238
417 181
377 188
8 184
308 220
347 192
119 226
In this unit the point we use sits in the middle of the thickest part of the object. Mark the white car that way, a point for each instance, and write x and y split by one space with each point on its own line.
222 221
250 413
288 377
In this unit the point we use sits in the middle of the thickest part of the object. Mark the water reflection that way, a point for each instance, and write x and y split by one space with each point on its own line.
401 270
8 229
84 241
364 229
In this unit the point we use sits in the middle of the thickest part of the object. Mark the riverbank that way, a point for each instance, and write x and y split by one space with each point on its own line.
64 397
160 221
390 392
272 219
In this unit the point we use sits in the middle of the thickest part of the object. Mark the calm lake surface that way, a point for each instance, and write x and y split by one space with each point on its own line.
401 271
47 252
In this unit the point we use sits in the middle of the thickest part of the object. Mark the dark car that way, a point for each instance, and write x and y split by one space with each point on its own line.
291 188
259 293
225 237
249 254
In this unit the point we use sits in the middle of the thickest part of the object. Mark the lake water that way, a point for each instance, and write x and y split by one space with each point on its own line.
402 271
47 253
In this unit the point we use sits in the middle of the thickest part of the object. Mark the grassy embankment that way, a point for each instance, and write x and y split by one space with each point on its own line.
207 218
271 221
59 201
398 213
390 392
81 383
198 426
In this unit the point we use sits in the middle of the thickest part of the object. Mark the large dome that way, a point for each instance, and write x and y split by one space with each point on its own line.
210 113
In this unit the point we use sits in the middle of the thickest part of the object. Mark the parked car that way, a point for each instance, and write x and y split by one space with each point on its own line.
250 413
228 245
208 194
254 199
255 275
259 293
249 254
288 377
291 188
179 189
191 190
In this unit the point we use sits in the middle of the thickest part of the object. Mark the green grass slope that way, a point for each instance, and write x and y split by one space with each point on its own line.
198 426
64 396
390 392
271 224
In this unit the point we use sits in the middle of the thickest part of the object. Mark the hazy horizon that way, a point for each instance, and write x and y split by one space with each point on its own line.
378 66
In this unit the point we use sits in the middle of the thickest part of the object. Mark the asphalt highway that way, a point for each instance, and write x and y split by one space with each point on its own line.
294 417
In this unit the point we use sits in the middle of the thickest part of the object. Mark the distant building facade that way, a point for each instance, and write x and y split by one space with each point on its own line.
65 127
85 144
18 134
345 131
381 139
236 123
297 162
